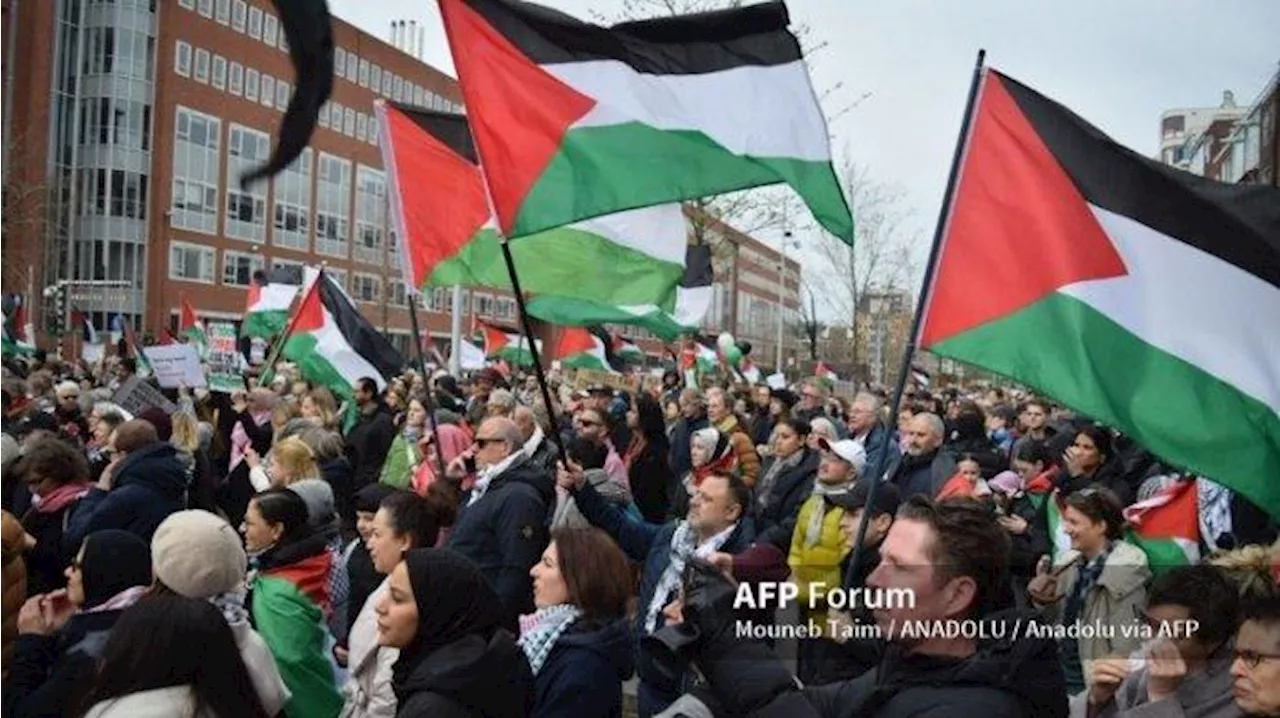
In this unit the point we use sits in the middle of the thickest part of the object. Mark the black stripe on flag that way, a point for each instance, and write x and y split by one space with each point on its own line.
449 128
363 337
1239 224
606 338
697 267
756 35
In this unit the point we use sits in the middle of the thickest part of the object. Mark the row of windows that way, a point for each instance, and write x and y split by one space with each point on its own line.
197 263
230 76
118 51
115 121
347 64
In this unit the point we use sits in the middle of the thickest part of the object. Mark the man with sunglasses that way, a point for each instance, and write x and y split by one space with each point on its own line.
502 522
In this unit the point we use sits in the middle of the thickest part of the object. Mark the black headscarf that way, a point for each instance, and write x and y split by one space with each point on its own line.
454 601
113 561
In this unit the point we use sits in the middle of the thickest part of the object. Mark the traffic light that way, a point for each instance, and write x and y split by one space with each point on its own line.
56 317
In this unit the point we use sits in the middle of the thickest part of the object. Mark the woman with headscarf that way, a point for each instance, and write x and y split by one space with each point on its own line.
458 656
710 452
61 634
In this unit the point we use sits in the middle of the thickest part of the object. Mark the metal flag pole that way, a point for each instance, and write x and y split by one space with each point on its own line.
913 338
527 328
426 380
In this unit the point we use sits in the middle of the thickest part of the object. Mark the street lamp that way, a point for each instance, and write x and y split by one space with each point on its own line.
782 289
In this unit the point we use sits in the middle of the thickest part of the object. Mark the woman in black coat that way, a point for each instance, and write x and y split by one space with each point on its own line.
577 642
785 481
648 467
56 473
61 635
457 659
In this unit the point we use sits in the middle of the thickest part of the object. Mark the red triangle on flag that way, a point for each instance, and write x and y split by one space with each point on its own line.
495 340
187 318
574 340
1172 513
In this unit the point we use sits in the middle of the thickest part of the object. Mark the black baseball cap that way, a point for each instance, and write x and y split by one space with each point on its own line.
887 498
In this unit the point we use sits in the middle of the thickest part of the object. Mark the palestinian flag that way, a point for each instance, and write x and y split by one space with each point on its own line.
692 300
626 350
191 327
17 334
270 296
290 606
581 349
822 371
1130 291
334 345
470 356
573 120
88 332
506 343
121 326
1059 541
1167 527
439 205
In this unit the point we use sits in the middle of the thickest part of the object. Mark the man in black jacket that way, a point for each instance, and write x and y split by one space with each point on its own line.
370 439
952 557
502 524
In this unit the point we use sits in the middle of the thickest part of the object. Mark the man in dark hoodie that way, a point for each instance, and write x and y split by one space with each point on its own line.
145 482
952 557
370 438
502 523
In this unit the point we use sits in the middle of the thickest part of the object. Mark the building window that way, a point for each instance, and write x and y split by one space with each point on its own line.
353 67
398 293
386 85
202 65
182 59
246 208
255 23
220 72
288 264
191 262
364 73
375 78
373 131
397 88
371 214
292 211
282 94
238 10
348 121
339 62
223 12
393 249
333 198
366 288
362 127
268 90
483 304
238 268
339 276
284 40
113 193
251 84
206 8
188 4
442 300
269 30
195 172
323 119
235 84
335 117
124 123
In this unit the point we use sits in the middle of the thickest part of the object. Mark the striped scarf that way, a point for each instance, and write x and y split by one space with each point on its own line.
539 631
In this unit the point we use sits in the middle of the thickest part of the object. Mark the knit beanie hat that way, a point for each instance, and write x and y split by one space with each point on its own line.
198 555
318 496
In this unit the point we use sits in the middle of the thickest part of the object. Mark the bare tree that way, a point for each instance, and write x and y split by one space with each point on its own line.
809 328
880 259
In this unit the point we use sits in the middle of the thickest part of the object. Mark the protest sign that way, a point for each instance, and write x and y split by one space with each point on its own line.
136 396
92 353
176 365
584 378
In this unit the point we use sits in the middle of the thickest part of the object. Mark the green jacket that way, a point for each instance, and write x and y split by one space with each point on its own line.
397 471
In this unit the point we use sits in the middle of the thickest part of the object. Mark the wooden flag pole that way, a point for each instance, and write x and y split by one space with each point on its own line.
913 338
527 328
426 380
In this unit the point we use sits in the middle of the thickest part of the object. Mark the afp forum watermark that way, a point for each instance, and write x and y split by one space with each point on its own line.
821 595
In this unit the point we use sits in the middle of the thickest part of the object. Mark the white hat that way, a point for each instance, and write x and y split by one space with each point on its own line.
849 451
198 555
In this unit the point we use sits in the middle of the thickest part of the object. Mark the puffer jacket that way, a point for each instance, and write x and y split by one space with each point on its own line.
14 541
819 563
743 447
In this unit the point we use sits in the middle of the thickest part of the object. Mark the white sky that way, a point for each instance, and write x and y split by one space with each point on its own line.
1118 63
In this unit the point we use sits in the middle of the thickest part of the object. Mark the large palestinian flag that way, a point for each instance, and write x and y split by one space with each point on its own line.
267 305
439 206
573 120
334 345
692 300
1135 293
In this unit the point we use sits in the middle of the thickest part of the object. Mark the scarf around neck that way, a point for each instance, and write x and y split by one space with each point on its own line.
813 530
540 630
120 601
765 485
684 545
59 498
488 475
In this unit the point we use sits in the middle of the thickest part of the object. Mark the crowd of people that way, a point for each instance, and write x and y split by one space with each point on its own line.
445 547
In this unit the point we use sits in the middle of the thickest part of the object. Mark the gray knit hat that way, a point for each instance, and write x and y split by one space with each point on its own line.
318 496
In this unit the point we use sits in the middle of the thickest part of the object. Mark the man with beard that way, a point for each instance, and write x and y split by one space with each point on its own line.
926 466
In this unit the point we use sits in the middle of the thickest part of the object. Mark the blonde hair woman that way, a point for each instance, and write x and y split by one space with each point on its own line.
319 406
292 461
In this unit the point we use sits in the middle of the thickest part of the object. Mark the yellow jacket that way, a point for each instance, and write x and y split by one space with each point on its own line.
819 563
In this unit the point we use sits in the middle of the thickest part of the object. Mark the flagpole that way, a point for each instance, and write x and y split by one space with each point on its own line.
527 328
913 338
426 379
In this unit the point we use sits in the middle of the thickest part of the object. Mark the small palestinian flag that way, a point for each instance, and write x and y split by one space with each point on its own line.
334 345
1167 527
577 347
17 337
627 350
270 296
692 300
506 343
920 377
1126 289
822 371
573 120
190 327
440 208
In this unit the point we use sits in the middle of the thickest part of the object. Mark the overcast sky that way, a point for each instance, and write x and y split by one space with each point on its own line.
1118 63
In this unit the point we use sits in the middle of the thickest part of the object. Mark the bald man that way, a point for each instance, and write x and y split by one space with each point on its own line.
502 523
926 465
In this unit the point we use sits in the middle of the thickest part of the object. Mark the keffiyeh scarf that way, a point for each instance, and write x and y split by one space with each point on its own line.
684 544
813 530
539 631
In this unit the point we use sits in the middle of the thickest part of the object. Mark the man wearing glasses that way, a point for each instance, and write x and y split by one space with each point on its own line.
502 523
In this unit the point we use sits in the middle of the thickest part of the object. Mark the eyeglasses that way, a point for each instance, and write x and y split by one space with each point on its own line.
1252 659
485 441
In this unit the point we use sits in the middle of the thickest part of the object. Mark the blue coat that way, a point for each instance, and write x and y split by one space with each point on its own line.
148 485
584 672
650 544
877 461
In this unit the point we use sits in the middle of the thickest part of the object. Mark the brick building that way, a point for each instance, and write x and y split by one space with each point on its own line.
128 122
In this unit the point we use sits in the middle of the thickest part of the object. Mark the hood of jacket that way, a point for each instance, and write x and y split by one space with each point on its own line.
610 641
525 471
157 467
1012 659
154 703
471 672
